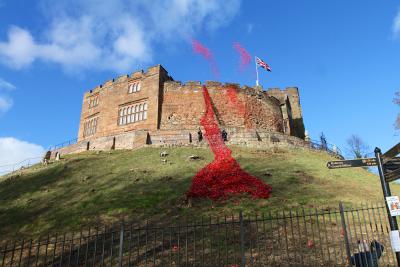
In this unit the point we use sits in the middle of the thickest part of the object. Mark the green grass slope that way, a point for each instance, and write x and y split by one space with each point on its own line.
91 188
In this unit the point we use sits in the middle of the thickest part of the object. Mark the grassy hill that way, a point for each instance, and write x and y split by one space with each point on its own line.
92 188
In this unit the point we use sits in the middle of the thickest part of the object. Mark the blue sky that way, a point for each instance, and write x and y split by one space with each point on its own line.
343 55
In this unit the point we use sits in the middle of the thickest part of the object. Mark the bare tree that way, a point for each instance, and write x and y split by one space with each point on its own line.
357 147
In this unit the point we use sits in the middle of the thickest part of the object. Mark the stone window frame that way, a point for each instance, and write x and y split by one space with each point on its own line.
93 101
134 87
132 113
90 126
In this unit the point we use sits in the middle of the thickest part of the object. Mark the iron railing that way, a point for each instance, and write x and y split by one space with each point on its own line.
63 144
329 148
26 163
300 237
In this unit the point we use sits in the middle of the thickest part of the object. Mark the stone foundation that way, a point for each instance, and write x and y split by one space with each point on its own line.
174 138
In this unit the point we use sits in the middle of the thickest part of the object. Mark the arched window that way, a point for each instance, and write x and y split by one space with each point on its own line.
138 87
129 110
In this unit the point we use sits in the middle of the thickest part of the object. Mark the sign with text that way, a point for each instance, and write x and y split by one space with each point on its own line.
393 175
395 240
391 165
394 205
391 153
337 164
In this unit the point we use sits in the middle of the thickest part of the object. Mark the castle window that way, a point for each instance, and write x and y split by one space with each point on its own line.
134 87
90 127
93 101
133 113
145 111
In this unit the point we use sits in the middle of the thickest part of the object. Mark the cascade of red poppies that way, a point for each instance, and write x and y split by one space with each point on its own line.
205 52
223 177
245 57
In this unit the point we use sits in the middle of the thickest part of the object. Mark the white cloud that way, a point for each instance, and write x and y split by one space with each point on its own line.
5 101
6 85
116 35
13 151
396 25
5 104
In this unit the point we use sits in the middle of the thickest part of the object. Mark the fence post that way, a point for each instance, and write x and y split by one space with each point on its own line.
121 243
242 239
346 237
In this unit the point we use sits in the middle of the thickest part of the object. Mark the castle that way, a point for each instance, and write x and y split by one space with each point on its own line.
152 108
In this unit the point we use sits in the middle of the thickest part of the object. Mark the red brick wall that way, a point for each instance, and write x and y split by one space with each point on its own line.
183 106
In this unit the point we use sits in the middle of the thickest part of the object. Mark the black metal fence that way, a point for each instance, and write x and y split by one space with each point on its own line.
296 238
63 144
329 148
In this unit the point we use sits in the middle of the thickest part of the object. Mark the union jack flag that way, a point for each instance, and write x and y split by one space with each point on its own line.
263 64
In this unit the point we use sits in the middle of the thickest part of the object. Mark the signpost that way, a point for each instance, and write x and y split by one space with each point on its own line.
391 165
389 170
337 164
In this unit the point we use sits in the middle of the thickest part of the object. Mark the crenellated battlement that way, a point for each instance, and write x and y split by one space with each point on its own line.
137 75
212 86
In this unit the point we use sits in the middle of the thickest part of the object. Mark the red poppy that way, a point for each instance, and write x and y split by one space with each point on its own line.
175 248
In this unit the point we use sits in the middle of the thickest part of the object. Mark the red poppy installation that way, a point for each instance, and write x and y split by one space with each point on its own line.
245 57
205 52
223 177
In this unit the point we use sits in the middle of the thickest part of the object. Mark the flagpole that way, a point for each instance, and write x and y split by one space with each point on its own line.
255 61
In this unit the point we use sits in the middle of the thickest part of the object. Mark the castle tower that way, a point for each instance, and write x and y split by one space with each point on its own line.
130 102
291 109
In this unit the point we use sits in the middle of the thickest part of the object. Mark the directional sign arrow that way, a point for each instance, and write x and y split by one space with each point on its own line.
391 153
391 176
392 165
337 164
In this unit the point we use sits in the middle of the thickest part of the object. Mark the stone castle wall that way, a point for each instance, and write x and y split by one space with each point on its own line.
254 138
292 94
183 106
174 110
114 95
